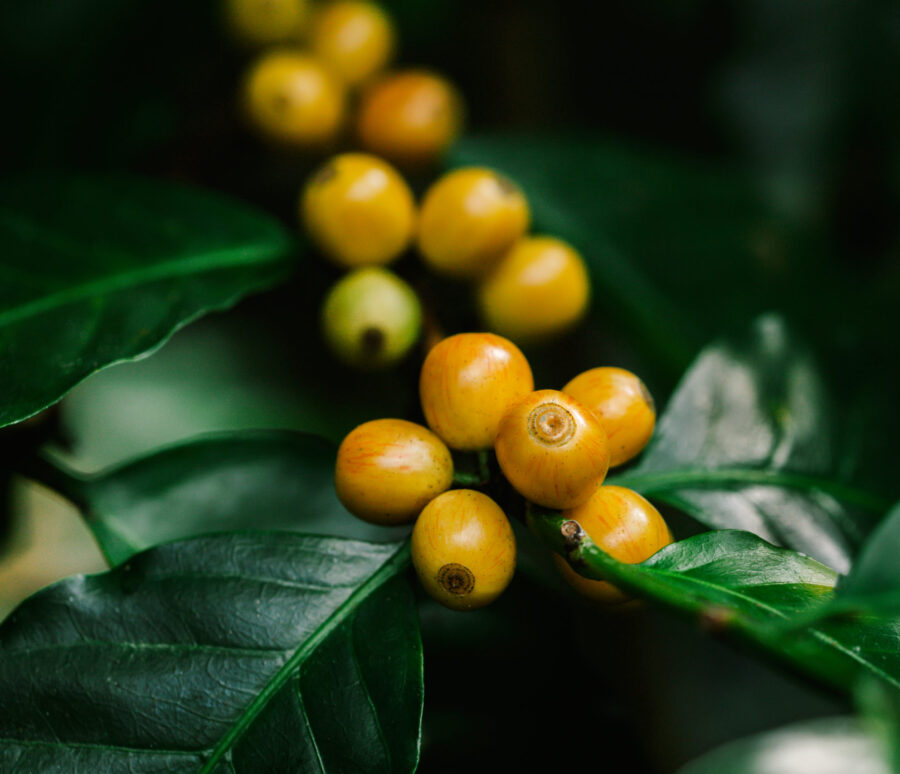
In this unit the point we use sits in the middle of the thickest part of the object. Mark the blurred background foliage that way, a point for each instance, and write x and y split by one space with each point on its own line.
713 160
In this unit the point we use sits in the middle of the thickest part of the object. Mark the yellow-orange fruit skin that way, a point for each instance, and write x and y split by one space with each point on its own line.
266 22
552 449
353 36
294 100
463 549
625 526
540 288
469 218
410 117
467 383
624 405
388 470
359 210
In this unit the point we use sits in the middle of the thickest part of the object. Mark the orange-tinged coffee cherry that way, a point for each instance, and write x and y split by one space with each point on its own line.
353 36
624 406
463 549
293 99
467 383
624 525
266 22
539 288
469 219
389 469
359 210
552 449
410 117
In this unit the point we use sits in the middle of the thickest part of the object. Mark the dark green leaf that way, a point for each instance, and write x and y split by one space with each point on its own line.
733 582
234 481
96 271
877 569
237 653
826 746
747 442
675 248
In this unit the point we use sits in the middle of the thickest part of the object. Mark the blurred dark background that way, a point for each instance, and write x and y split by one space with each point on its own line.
801 99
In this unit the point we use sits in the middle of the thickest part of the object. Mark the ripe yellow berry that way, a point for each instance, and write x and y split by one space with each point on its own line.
353 36
293 99
371 318
540 288
266 22
624 405
625 526
552 449
467 383
359 210
389 469
469 218
463 549
410 117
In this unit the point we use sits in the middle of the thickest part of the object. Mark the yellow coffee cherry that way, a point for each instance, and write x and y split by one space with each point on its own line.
552 449
371 318
388 470
540 288
410 117
463 549
266 22
624 405
469 219
468 382
624 525
353 36
358 210
293 99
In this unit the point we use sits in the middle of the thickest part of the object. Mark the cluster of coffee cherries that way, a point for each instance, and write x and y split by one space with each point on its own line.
472 225
321 80
553 447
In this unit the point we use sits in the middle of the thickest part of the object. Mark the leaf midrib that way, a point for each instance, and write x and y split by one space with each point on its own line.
391 566
246 255
813 632
697 478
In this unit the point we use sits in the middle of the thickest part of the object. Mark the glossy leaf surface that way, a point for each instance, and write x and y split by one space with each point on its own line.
748 442
99 270
826 746
237 653
235 481
737 584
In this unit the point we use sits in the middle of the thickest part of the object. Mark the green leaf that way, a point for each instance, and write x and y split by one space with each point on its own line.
877 569
235 653
675 247
824 746
747 442
234 481
735 583
100 270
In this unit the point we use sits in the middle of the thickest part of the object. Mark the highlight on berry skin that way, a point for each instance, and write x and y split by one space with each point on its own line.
358 210
388 470
624 405
410 117
467 384
469 218
293 100
371 318
624 525
539 289
552 449
463 549
354 37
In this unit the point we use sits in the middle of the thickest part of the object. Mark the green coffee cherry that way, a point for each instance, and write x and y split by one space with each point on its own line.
371 318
